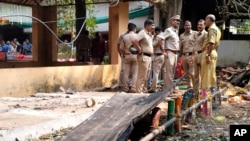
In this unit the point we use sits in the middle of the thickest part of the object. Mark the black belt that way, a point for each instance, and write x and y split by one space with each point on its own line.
146 54
158 54
187 53
198 52
191 53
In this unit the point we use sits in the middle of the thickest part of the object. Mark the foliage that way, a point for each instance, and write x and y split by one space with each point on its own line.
163 7
66 15
90 21
243 26
64 51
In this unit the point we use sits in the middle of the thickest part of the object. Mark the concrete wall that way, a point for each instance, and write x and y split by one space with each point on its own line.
231 51
18 82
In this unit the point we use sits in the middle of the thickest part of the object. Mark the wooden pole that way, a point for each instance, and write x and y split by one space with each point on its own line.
177 113
209 104
198 96
171 110
204 106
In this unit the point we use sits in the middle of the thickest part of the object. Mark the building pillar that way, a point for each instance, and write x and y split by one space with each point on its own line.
44 44
118 22
37 34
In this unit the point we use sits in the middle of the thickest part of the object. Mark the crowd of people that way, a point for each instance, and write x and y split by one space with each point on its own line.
151 52
15 47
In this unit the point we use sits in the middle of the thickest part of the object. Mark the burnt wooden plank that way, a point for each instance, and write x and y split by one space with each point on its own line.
115 119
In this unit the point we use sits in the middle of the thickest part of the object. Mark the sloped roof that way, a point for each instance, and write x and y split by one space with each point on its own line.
23 2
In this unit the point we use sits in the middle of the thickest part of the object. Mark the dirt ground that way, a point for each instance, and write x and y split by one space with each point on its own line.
19 112
216 127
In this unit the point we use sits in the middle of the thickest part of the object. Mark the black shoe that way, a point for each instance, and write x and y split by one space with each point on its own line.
152 91
132 91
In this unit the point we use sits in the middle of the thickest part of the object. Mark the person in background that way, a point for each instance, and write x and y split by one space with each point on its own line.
13 47
158 60
19 48
98 48
27 47
83 45
1 45
6 46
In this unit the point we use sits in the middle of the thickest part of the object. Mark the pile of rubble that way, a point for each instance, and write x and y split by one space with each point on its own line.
237 78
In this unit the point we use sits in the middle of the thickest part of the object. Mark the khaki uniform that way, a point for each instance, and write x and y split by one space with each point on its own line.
208 71
144 60
131 63
120 40
199 40
187 43
172 48
157 62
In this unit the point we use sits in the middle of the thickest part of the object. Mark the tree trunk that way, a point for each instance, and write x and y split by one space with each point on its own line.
174 8
80 7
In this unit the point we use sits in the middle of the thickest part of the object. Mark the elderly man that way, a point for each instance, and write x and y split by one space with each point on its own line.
171 50
187 43
209 54
199 40
145 40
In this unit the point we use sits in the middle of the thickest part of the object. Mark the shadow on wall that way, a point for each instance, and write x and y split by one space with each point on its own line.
28 81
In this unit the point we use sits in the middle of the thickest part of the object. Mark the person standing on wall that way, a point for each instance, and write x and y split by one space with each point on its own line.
158 60
199 40
145 40
130 58
209 54
187 43
171 50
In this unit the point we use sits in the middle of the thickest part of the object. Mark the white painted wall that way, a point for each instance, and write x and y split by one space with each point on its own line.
139 21
231 51
103 10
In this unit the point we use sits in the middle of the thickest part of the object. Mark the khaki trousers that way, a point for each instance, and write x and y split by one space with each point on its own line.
208 71
168 68
144 64
188 67
157 65
121 72
131 66
197 71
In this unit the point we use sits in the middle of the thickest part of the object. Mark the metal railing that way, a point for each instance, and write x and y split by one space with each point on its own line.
163 127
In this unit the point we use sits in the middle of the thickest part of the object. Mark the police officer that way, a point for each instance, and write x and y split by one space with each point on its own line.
199 40
121 51
130 58
145 40
158 60
209 54
187 43
171 50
